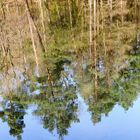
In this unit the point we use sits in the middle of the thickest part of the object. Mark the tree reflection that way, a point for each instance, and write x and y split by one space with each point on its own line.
122 90
58 110
13 113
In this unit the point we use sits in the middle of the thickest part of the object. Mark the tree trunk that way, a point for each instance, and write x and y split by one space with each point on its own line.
32 37
90 27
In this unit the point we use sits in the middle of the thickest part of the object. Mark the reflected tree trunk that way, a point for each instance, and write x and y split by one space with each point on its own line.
95 49
122 16
110 11
47 11
42 19
90 27
70 12
21 49
32 37
35 26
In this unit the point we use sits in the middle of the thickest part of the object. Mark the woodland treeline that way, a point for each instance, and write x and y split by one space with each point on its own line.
69 26
49 33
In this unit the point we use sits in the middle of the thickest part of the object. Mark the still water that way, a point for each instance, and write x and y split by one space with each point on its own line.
34 110
119 124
